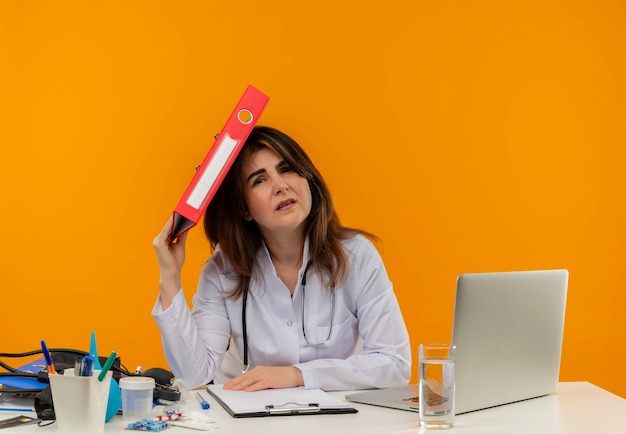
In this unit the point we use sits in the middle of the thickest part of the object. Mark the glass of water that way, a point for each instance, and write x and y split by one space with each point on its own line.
436 386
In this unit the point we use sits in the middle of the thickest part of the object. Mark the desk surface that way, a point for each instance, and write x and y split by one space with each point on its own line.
578 407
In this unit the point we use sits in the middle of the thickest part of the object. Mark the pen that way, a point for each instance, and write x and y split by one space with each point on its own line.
78 365
46 354
107 366
16 409
203 403
87 366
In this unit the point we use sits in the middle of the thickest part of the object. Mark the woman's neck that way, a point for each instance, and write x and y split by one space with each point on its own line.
285 248
286 255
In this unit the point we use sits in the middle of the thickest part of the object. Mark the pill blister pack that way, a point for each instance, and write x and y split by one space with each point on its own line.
196 420
148 425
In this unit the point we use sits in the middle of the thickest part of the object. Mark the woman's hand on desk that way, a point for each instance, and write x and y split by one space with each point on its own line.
266 377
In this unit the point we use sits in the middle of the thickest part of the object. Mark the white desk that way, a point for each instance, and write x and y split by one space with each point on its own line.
576 408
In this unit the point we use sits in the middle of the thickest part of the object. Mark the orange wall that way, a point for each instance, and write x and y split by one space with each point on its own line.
470 136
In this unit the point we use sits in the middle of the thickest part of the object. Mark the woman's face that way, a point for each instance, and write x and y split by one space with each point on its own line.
278 199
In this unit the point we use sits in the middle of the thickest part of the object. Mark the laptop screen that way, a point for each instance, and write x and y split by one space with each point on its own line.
508 330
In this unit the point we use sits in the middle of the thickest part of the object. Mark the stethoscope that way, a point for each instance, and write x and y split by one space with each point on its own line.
303 283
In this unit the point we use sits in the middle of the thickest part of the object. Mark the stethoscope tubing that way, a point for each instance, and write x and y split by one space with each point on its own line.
303 283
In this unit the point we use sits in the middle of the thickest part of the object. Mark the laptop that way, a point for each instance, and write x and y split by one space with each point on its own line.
508 333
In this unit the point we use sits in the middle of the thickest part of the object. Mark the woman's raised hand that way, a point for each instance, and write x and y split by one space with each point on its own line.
171 257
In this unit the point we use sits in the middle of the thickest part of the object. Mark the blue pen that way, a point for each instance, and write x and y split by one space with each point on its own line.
87 366
46 354
203 403
16 409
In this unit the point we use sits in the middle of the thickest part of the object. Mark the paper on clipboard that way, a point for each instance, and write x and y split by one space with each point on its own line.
219 159
278 402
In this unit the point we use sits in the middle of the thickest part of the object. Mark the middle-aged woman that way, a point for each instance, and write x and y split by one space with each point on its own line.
289 296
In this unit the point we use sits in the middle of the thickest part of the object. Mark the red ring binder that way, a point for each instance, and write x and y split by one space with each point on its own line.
219 159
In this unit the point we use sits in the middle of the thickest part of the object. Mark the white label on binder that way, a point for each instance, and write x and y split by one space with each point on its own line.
212 171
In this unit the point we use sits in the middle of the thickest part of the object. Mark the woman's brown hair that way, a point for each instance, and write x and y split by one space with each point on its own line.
239 239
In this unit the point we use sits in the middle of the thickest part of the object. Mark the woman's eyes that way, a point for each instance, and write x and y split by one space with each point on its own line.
262 178
258 180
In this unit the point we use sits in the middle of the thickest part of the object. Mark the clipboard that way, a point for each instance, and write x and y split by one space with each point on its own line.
278 402
210 174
